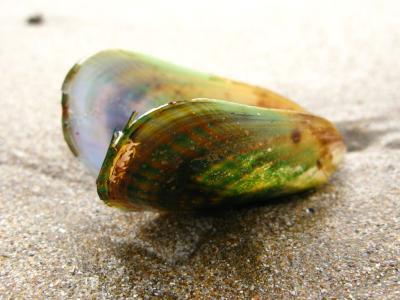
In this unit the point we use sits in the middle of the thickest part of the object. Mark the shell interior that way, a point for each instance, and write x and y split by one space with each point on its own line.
101 92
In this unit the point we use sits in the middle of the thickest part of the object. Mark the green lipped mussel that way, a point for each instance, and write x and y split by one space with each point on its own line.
175 147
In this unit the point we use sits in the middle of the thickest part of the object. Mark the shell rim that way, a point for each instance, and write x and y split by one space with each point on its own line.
65 119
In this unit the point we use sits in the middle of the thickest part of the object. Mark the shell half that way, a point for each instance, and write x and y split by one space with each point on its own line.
101 92
175 148
193 155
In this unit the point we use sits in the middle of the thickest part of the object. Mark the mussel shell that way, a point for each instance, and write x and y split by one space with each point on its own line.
101 92
200 154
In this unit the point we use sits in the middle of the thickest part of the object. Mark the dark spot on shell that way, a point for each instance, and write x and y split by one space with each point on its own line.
157 85
296 136
319 164
35 19
178 94
261 103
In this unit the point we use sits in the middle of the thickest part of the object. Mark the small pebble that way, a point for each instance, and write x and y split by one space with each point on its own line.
35 19
310 210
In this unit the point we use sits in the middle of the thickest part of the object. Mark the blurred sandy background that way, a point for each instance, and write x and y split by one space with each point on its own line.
339 59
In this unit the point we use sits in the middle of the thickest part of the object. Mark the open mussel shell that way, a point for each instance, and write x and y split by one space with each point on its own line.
171 153
101 92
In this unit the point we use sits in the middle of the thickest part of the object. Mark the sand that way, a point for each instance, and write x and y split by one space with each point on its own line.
341 61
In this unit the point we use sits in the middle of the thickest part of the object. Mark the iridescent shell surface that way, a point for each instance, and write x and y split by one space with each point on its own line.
173 152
